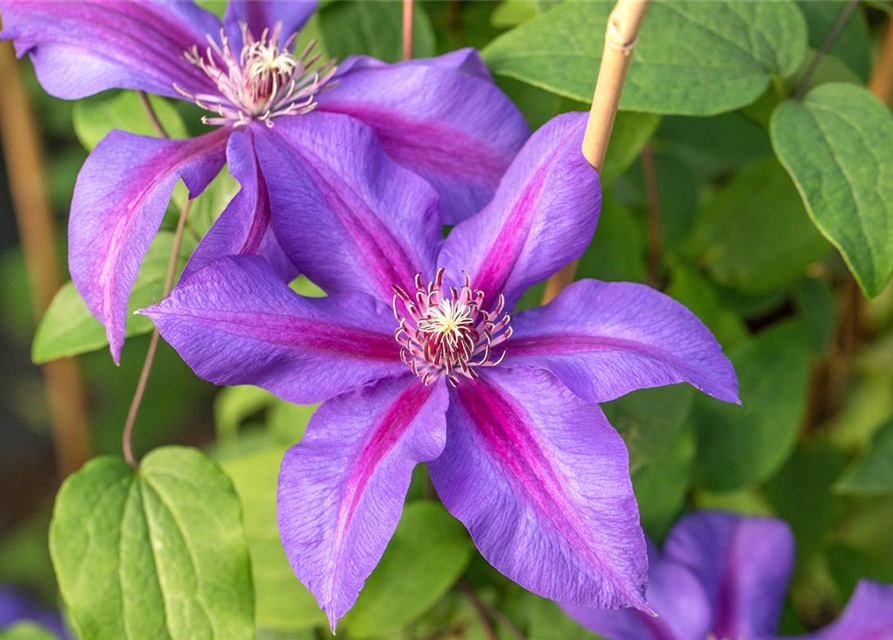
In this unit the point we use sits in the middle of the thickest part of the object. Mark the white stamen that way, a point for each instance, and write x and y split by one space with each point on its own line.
448 336
265 81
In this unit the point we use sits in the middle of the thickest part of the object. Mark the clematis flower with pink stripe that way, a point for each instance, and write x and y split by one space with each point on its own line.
723 576
442 117
416 359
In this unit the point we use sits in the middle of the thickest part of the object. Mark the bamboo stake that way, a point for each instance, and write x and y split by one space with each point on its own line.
24 161
620 40
407 29
881 83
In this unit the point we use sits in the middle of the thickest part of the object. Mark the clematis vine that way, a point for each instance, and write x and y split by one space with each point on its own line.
416 360
443 117
723 576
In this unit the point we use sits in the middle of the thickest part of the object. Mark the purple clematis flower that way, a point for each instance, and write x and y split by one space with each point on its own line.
17 607
443 117
503 409
723 577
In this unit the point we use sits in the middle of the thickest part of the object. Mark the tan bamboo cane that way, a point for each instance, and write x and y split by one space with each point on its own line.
620 40
407 29
25 166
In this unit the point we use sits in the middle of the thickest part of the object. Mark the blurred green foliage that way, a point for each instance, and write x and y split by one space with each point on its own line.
766 203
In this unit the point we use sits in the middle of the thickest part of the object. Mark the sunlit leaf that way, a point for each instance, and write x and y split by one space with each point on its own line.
155 553
68 328
93 119
695 58
428 553
873 472
740 446
837 145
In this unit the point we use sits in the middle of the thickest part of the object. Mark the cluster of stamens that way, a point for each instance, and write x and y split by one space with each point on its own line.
449 336
265 81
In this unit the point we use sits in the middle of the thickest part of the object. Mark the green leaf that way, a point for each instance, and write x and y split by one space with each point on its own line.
852 44
631 132
698 294
538 105
155 553
210 204
233 406
695 58
837 145
374 29
428 553
617 252
817 304
217 7
26 631
549 622
93 119
661 485
884 5
800 494
649 420
282 603
873 472
511 13
714 146
68 328
850 565
753 234
741 446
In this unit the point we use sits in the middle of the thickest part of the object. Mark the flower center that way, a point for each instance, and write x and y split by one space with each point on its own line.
448 335
263 82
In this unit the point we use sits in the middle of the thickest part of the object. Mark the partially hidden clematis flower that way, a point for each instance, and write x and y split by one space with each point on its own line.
417 360
443 117
723 576
17 607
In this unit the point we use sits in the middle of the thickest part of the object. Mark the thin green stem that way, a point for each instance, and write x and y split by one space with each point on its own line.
133 411
833 32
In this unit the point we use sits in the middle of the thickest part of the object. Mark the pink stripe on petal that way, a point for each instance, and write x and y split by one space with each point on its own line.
604 340
236 322
245 225
82 47
541 481
341 490
346 214
119 201
439 118
542 216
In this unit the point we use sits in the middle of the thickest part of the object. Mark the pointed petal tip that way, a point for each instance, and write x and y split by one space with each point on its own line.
333 618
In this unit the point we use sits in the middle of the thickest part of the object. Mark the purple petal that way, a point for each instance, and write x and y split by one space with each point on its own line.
744 564
443 121
341 490
604 340
17 607
83 47
543 216
678 599
119 201
245 226
541 480
236 322
266 14
466 61
348 216
868 616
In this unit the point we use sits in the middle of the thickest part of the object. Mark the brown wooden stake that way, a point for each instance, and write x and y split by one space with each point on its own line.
881 83
407 29
24 161
620 40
